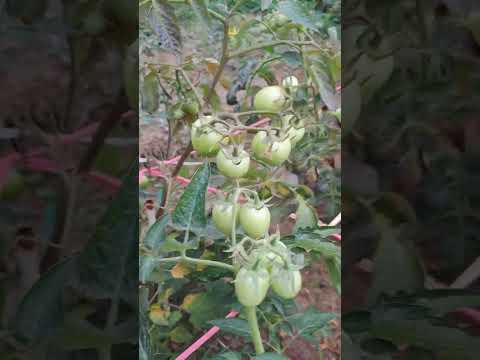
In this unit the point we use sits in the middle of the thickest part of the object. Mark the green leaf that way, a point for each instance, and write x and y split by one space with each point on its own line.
181 335
298 13
350 351
233 326
130 74
147 265
356 321
79 334
441 301
326 249
325 86
171 244
104 276
351 95
306 216
150 92
190 210
34 321
144 339
335 270
157 234
310 322
473 24
214 303
445 342
372 75
396 267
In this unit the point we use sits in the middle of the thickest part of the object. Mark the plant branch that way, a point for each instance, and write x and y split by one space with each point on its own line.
191 260
251 312
194 89
223 61
182 159
294 44
233 233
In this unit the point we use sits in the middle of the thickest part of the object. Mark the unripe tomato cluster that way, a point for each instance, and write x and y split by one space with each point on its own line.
251 285
211 137
254 219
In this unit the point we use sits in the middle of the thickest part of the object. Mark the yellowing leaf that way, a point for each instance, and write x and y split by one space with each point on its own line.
226 83
232 31
188 301
180 270
212 65
279 189
158 315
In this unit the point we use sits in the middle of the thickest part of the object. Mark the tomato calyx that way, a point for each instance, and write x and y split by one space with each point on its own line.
232 161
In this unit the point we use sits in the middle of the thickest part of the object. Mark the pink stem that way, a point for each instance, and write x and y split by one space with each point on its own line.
156 172
337 237
203 339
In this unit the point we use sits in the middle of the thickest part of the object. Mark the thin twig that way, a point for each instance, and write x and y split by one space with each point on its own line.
194 89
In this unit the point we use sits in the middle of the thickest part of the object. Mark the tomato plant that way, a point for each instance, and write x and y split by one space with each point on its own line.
234 223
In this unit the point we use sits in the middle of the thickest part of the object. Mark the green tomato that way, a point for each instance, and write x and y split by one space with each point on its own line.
205 140
274 153
286 283
231 165
296 132
251 286
13 187
270 99
255 221
222 216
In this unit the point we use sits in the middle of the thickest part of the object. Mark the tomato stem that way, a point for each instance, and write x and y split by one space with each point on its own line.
233 234
251 312
190 260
